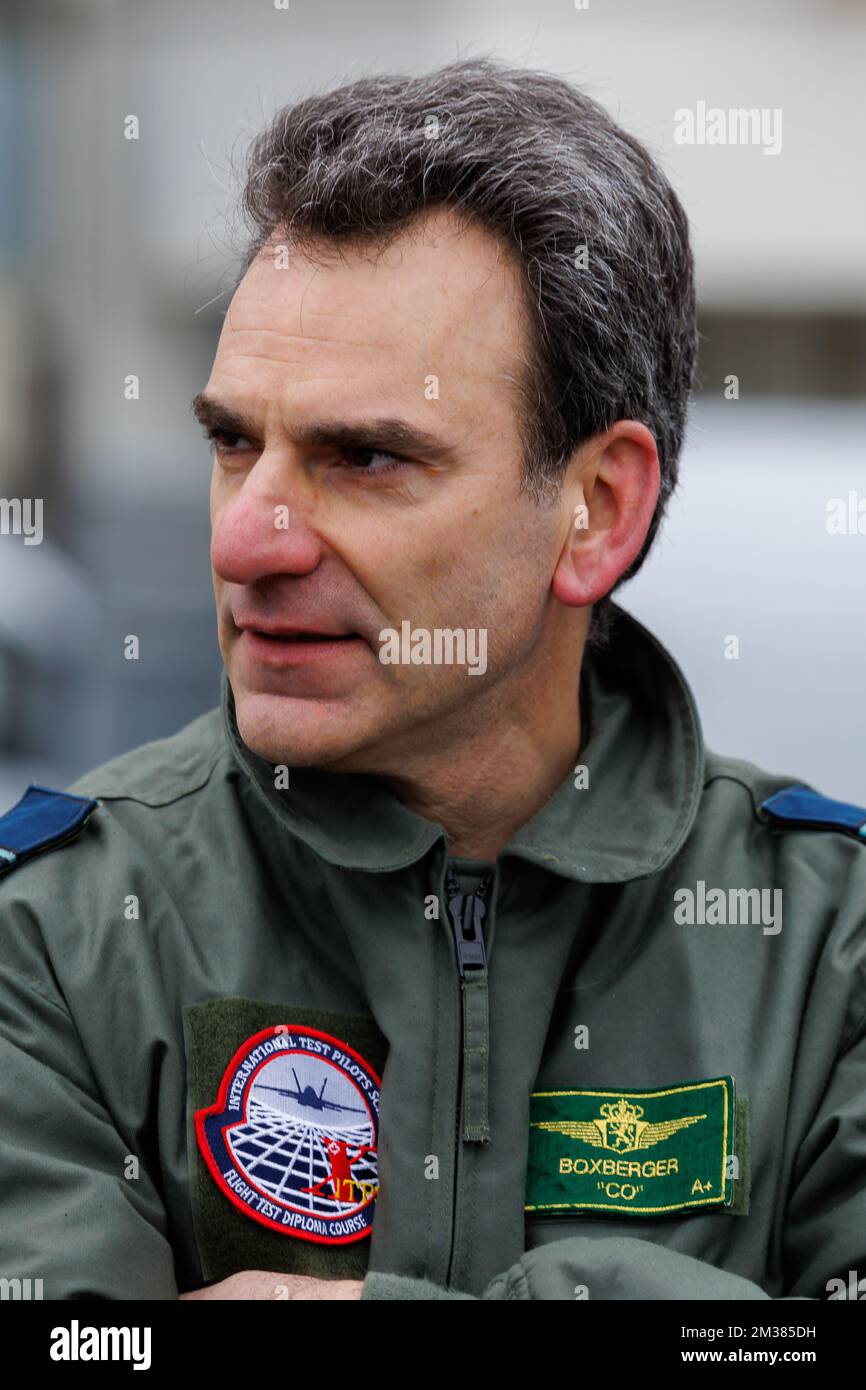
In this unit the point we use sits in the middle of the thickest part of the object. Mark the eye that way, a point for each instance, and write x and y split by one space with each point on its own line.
225 442
369 461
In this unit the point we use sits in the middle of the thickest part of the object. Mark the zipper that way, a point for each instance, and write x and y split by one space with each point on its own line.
466 913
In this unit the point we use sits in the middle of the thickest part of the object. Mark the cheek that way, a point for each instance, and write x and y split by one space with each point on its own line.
513 587
214 497
473 569
399 562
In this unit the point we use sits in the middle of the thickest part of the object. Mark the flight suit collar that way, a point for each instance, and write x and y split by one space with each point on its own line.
643 754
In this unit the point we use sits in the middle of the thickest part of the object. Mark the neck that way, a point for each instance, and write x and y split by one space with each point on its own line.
498 773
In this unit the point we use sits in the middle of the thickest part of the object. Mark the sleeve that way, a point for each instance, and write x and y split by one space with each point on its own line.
615 1267
824 1234
69 1214
825 1230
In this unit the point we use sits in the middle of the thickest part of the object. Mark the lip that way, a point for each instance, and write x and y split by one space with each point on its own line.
288 630
265 649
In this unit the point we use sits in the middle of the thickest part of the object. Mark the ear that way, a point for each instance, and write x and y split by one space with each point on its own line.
612 500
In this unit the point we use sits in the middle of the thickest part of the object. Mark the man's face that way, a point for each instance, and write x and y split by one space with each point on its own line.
317 526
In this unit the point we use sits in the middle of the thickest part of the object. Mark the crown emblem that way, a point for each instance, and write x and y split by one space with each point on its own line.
619 1127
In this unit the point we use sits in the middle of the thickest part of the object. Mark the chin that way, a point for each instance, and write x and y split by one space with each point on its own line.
299 733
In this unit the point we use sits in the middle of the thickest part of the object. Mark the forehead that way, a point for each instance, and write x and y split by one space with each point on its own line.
439 299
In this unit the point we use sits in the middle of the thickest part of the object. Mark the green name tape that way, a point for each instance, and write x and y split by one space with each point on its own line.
636 1153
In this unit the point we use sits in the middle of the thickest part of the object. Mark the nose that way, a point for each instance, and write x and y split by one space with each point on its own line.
265 526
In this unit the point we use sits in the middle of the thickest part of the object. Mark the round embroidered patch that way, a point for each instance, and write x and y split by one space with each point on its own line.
291 1138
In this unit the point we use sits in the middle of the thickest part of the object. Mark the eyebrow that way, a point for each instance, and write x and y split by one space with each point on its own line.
389 435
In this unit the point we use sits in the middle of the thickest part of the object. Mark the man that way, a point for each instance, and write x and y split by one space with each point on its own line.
442 960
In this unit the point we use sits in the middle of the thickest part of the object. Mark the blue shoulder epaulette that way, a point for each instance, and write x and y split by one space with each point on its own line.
41 820
801 808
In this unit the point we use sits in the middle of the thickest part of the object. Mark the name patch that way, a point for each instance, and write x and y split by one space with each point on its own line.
636 1153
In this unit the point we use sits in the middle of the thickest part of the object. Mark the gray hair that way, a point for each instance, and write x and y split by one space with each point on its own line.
547 171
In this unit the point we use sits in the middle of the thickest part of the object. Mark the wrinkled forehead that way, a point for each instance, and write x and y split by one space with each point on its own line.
439 298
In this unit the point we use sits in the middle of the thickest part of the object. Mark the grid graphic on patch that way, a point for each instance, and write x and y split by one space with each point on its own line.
291 1139
286 1154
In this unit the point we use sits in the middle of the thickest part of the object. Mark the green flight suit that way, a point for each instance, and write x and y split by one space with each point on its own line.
201 904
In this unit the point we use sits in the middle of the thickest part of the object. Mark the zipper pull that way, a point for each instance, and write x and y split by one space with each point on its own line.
468 911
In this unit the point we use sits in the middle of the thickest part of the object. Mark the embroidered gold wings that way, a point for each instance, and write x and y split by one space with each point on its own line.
619 1127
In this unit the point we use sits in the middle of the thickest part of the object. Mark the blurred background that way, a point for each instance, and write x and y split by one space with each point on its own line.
115 259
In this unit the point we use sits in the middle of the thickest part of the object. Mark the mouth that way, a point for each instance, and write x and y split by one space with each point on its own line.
302 636
288 648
